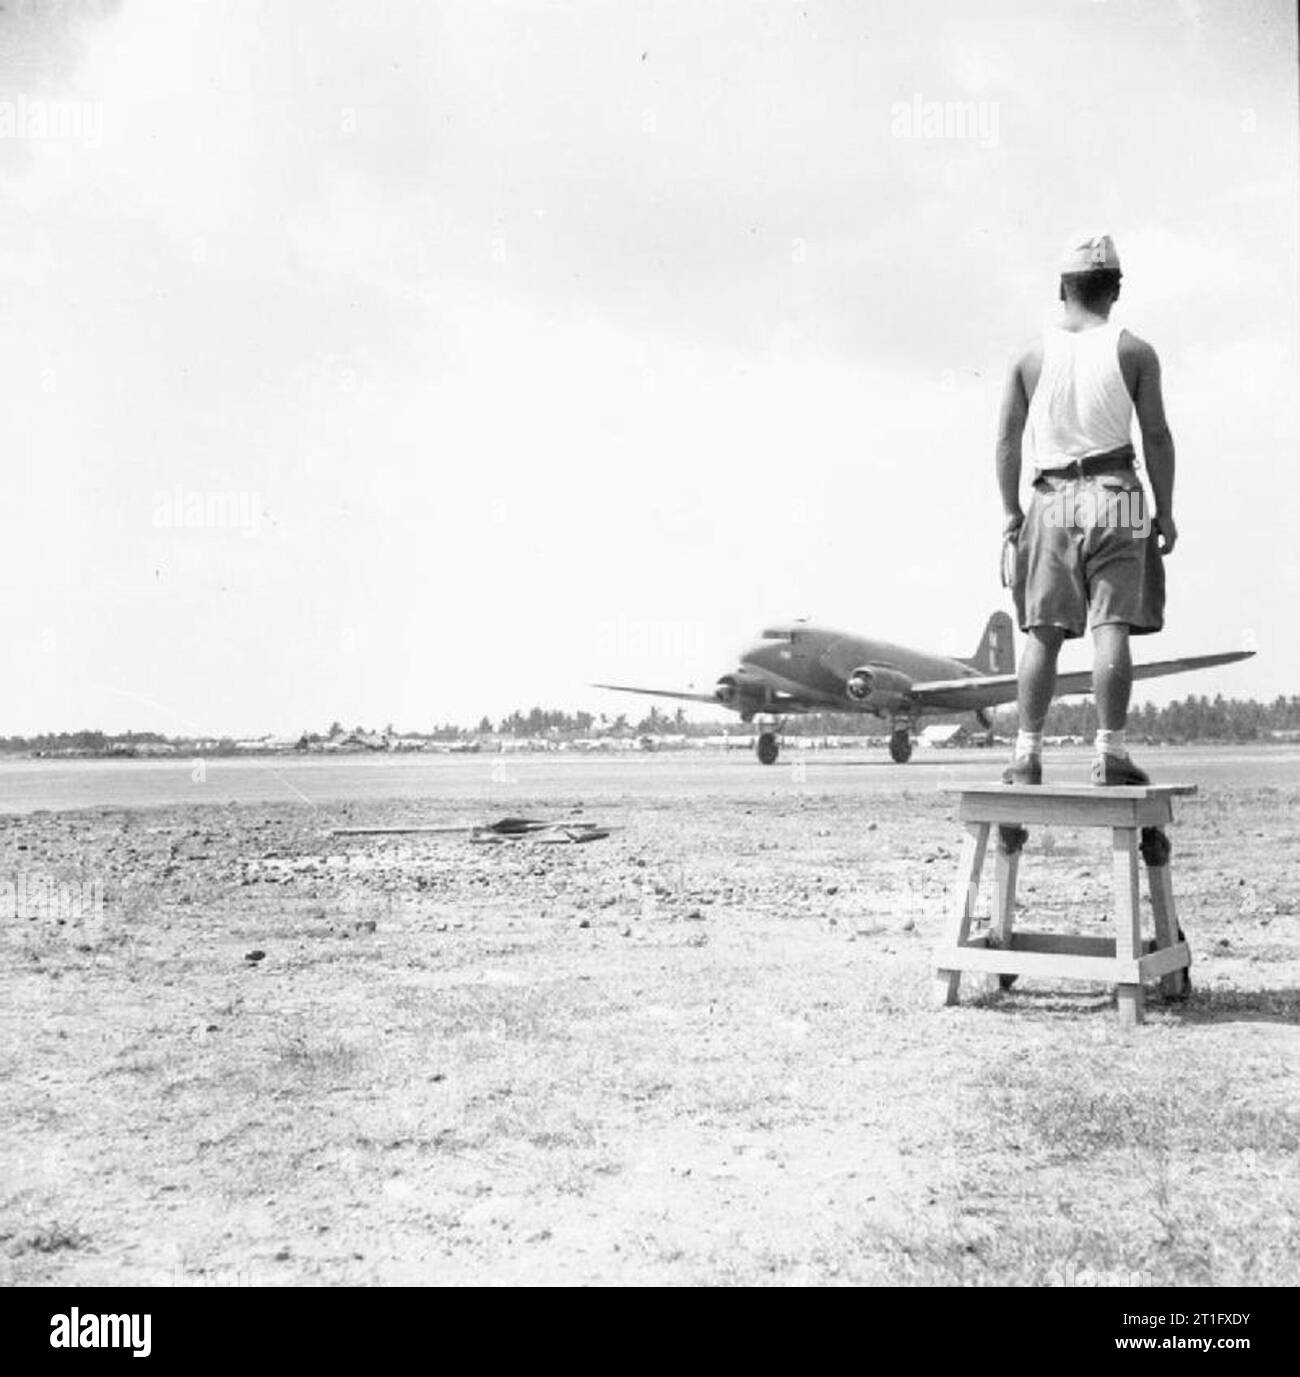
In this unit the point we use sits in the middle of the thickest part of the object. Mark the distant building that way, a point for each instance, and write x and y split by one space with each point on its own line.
945 734
362 741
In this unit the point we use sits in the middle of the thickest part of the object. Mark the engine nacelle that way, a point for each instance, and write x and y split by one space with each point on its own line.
740 692
878 688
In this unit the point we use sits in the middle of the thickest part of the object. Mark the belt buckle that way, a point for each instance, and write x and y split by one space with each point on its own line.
1072 470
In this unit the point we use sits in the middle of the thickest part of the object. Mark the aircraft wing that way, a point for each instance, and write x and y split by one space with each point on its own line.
663 693
988 690
774 700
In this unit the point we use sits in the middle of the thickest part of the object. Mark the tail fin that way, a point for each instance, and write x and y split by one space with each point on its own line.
996 653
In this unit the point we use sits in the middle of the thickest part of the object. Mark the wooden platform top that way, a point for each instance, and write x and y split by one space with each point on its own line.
1098 792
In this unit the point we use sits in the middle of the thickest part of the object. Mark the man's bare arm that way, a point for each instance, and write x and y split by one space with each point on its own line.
1011 429
1157 442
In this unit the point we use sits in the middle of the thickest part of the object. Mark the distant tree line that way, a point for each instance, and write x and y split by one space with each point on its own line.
1191 719
86 740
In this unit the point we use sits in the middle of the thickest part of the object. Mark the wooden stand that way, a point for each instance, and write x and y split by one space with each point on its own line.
1127 960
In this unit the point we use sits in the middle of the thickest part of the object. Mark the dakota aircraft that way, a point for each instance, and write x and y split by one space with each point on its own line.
800 668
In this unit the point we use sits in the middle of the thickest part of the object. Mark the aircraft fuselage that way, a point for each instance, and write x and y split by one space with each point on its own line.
814 664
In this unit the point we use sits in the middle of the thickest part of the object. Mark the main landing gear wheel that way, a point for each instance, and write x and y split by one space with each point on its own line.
900 746
768 749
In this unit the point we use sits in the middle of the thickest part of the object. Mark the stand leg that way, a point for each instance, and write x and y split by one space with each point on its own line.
1128 918
962 905
1005 869
1175 985
1130 1002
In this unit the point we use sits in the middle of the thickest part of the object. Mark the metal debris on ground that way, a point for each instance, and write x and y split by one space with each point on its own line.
504 829
531 829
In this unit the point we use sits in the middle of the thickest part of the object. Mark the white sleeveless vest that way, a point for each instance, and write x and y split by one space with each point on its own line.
1081 405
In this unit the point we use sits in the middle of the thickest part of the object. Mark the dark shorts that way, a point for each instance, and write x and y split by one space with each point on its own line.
1087 557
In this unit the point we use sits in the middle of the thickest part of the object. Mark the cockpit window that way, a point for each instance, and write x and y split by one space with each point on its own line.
779 633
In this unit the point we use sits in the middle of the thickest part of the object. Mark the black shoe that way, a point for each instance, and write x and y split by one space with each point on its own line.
1024 769
1113 770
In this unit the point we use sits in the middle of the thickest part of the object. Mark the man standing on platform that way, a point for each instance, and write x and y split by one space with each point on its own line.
1087 553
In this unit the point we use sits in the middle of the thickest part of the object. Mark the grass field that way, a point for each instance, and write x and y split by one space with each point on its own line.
700 1051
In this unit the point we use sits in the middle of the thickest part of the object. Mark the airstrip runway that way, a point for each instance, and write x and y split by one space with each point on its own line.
28 785
240 1048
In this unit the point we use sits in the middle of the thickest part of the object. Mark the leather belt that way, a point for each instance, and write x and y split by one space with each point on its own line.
1090 467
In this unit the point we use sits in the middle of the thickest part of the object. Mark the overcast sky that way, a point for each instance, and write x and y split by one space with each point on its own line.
410 361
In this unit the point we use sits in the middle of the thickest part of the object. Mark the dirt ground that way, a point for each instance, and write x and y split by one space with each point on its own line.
702 1050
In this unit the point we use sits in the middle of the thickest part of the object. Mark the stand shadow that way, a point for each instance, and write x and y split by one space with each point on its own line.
1202 1007
1241 1006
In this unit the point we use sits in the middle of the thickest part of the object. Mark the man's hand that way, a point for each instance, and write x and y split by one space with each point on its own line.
1013 521
1166 534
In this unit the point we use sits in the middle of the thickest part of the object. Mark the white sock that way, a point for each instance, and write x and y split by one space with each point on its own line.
1111 742
1029 743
